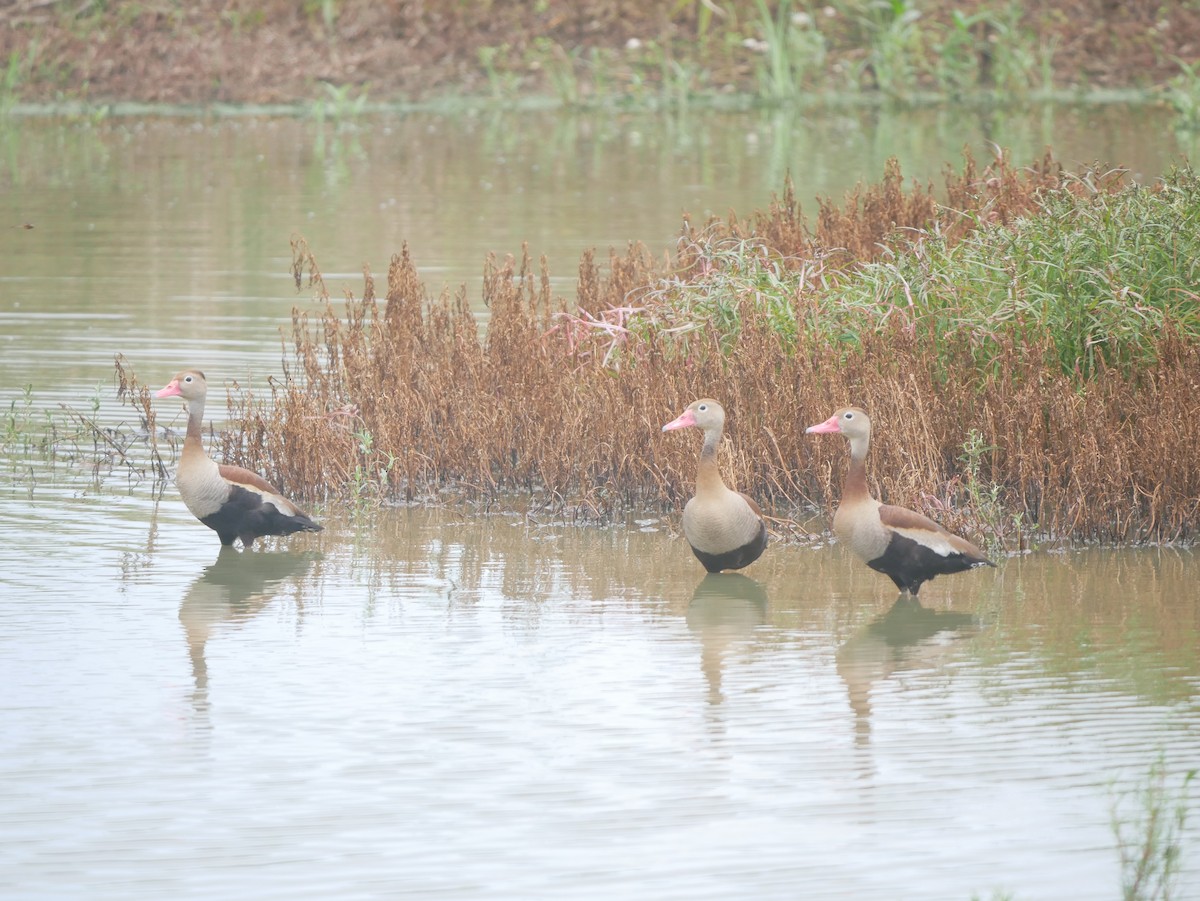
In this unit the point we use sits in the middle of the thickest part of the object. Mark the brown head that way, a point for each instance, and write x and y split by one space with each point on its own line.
189 384
705 414
852 422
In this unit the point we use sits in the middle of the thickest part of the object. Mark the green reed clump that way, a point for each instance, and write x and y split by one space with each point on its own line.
898 50
1101 276
892 38
893 256
11 78
1183 96
1017 254
338 103
735 275
789 270
778 77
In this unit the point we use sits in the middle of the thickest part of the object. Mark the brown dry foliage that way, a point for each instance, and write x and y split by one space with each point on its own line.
404 395
520 411
878 218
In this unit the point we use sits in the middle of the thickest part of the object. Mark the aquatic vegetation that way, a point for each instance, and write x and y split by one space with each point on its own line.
900 52
1004 426
892 39
1096 271
504 84
1102 275
338 102
77 438
1183 95
993 50
734 273
844 276
561 67
1150 844
17 420
15 74
777 77
770 52
985 499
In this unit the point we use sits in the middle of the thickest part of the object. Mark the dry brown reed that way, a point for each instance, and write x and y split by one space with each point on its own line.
130 391
399 395
878 218
1106 461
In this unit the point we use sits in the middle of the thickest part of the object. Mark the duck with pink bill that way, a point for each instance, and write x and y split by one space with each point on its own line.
904 545
725 528
232 501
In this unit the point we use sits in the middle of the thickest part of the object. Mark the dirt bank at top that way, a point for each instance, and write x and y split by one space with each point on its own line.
274 51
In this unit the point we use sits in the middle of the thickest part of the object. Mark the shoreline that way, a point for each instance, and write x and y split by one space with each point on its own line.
476 104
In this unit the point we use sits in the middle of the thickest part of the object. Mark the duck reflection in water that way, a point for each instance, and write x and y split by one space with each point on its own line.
232 590
908 637
725 611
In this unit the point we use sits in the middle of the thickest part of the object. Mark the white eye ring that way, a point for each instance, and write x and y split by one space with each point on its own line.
847 415
702 407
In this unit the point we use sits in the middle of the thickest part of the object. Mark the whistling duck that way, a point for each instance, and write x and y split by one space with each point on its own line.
725 528
907 547
233 502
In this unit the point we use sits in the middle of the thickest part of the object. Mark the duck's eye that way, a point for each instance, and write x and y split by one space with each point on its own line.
187 378
702 407
847 416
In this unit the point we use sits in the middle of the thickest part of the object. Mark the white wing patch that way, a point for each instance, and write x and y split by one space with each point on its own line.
940 544
279 503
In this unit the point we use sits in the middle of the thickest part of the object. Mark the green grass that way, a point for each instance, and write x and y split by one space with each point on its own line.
561 67
735 275
1149 839
845 52
894 42
777 78
1102 275
19 430
16 73
30 433
504 84
1183 96
990 50
339 102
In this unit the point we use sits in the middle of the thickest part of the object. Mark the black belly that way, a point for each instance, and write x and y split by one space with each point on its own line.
737 558
245 516
910 564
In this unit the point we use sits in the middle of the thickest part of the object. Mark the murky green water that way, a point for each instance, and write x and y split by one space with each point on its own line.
461 702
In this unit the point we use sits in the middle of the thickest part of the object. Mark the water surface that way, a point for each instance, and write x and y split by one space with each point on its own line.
464 701
168 239
481 705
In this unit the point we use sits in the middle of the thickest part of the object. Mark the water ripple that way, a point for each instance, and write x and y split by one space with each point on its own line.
455 713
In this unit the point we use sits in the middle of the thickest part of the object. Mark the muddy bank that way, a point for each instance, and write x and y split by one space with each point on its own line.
281 52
